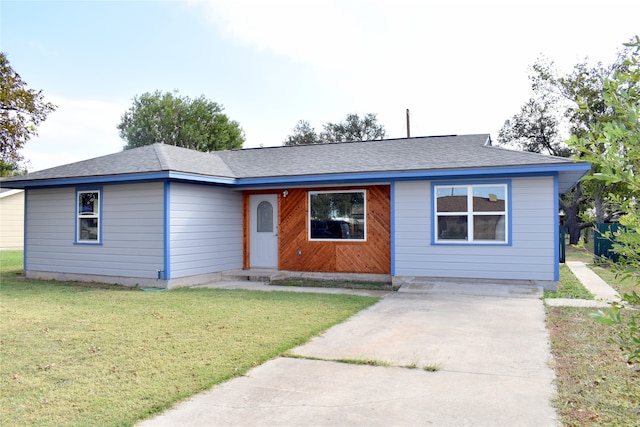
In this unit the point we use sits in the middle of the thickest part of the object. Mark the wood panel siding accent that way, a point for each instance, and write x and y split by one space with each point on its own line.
297 253
246 232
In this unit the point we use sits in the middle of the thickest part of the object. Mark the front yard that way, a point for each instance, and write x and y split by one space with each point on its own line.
78 354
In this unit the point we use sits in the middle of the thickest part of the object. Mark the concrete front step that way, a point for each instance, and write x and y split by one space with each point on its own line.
264 276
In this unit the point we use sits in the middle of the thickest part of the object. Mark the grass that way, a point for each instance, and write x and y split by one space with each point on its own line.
581 252
326 283
431 367
83 354
616 281
569 287
596 386
584 253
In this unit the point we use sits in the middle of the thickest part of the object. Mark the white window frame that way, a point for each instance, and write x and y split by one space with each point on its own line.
337 191
95 214
470 214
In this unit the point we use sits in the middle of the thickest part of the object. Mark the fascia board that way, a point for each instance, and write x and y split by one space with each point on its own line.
119 179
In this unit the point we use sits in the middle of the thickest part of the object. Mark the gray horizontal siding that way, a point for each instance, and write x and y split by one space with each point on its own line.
206 229
530 257
132 232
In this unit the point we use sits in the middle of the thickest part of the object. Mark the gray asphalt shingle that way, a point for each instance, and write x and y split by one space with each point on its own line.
407 154
393 155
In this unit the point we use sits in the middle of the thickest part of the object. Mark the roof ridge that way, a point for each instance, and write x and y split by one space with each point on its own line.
356 142
161 156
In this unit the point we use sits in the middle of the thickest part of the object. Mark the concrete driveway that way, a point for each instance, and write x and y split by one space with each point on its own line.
488 343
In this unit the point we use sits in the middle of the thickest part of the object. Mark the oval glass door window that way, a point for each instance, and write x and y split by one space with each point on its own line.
265 217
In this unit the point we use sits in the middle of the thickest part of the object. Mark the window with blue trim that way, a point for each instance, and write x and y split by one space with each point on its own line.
475 213
88 216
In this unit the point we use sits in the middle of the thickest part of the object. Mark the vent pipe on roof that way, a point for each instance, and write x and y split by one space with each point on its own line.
408 125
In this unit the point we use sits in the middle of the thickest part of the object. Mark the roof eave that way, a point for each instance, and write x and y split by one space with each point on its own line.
572 172
121 179
568 176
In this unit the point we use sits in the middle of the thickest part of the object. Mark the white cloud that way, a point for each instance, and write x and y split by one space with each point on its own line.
329 34
79 129
459 66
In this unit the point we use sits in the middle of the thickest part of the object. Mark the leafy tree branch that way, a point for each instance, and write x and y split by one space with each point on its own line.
21 111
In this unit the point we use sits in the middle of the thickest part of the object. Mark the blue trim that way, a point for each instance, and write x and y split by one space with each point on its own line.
556 229
24 232
392 189
100 219
510 213
128 179
434 218
167 230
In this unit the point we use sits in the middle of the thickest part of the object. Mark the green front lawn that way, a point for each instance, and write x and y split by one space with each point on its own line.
80 354
569 286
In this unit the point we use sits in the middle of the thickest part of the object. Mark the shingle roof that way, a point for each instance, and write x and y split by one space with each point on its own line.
146 159
393 155
423 153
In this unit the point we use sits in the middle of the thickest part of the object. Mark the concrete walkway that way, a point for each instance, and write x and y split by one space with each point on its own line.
602 292
487 346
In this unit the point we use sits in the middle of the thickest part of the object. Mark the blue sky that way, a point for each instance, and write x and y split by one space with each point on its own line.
458 66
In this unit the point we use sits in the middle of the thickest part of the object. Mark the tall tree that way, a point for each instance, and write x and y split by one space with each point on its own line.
535 128
613 145
582 86
353 128
556 106
169 118
303 134
21 111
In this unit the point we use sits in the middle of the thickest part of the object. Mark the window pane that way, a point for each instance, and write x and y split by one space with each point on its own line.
88 203
488 199
452 227
489 227
265 217
89 229
88 219
451 199
337 215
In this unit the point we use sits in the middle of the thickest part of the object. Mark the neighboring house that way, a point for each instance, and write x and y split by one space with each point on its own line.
430 207
11 219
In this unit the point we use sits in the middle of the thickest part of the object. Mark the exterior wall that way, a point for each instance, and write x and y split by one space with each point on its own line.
12 220
530 257
297 253
206 229
132 248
